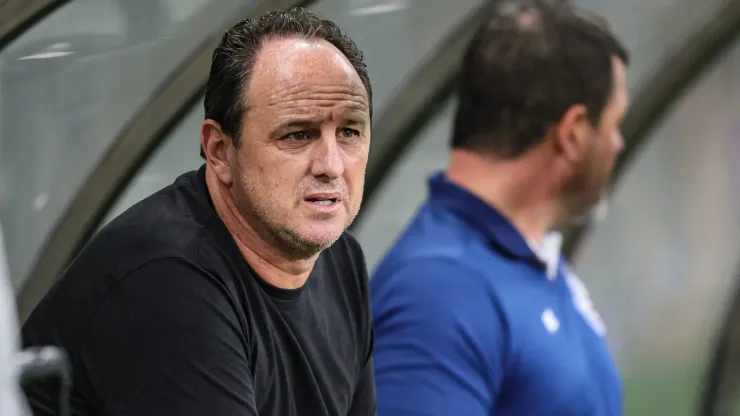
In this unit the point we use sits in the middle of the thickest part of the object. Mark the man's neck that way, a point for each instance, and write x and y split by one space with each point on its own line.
266 260
513 187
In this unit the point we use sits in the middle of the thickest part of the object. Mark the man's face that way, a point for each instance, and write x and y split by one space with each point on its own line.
593 175
299 172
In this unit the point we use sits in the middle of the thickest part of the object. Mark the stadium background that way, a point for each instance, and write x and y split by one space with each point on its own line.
100 105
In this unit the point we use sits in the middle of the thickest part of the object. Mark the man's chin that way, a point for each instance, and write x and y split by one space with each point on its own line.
321 235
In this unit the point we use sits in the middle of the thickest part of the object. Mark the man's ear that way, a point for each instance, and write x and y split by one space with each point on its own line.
572 134
215 145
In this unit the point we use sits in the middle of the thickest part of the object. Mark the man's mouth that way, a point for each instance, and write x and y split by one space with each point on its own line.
322 201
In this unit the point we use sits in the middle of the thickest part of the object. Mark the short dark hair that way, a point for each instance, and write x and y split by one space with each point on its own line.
527 64
235 56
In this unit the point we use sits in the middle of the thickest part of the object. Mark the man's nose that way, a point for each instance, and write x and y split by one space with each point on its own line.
327 157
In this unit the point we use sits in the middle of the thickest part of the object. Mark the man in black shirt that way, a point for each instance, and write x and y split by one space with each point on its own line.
235 291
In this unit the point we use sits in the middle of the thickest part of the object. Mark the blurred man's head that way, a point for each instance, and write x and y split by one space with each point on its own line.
545 77
287 128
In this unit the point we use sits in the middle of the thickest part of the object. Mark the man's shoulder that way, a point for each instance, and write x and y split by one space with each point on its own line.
433 233
441 242
64 315
173 222
434 259
424 253
170 228
436 256
434 272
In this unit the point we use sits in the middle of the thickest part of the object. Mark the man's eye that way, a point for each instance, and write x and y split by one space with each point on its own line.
350 133
298 135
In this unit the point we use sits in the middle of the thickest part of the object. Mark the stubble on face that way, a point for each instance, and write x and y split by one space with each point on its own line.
590 183
306 131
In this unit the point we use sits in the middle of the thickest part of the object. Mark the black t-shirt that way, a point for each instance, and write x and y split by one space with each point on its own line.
161 315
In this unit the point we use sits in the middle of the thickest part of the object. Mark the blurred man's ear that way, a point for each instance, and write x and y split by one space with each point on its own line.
572 134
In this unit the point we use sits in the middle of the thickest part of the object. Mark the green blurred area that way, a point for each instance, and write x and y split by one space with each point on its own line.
669 391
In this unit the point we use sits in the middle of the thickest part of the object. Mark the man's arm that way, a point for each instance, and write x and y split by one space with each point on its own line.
168 342
440 341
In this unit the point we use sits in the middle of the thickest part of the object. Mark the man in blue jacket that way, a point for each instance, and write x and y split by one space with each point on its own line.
475 311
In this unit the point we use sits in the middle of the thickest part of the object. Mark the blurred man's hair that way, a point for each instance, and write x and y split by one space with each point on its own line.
234 58
528 63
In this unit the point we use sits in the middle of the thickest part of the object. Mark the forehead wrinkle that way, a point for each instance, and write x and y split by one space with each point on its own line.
339 111
325 97
319 91
303 110
322 110
323 101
